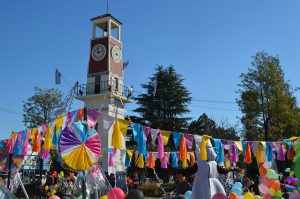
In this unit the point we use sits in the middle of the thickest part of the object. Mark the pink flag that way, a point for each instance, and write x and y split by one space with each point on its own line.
92 116
160 152
146 131
69 119
164 162
189 140
281 153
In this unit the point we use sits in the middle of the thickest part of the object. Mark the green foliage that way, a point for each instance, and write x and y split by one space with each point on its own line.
267 101
165 108
44 106
207 126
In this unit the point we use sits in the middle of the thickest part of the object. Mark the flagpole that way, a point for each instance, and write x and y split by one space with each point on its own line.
106 6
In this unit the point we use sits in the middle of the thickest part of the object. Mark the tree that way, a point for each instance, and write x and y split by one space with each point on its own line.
267 101
44 106
164 105
207 126
203 125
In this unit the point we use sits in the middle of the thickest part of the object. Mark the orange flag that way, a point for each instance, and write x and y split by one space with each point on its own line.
182 149
151 161
248 157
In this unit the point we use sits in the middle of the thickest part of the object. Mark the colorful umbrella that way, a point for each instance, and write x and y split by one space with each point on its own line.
79 146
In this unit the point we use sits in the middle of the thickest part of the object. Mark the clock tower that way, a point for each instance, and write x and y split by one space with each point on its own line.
104 89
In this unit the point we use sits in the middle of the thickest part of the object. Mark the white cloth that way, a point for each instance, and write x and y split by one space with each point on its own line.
206 184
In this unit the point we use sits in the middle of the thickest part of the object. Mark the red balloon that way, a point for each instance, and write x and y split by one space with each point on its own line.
232 195
219 196
266 181
262 171
275 185
116 193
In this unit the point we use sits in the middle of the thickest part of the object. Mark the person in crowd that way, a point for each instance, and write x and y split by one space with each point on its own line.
182 186
136 181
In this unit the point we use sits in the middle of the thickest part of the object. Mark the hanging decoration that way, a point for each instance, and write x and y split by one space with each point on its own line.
79 146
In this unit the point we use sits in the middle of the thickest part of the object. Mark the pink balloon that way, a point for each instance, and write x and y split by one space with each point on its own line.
219 196
266 181
116 193
54 197
263 188
268 196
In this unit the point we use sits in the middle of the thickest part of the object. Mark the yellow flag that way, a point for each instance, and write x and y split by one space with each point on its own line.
203 155
165 136
123 126
116 140
130 154
140 161
239 145
260 151
48 142
59 122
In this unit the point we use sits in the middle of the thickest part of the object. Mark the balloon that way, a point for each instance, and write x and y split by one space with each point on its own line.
278 194
271 191
289 188
263 188
188 194
267 165
116 193
54 197
61 174
54 174
46 188
238 185
275 185
271 174
268 196
266 181
232 195
219 196
135 194
262 171
291 180
257 197
248 195
294 194
238 191
287 170
104 197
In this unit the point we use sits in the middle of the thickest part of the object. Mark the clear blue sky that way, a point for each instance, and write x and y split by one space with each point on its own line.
209 42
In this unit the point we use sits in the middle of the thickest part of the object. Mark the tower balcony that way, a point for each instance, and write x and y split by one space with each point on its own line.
105 89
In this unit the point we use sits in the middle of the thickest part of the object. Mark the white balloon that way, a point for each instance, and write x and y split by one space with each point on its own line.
267 165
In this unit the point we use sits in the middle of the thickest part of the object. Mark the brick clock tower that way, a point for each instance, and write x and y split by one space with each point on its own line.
104 89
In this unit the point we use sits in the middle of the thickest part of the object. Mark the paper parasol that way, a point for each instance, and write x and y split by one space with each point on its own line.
79 146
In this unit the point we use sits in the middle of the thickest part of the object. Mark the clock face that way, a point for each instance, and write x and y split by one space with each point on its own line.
98 52
116 54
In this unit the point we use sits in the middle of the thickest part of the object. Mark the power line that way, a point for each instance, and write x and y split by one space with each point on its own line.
9 111
202 100
213 101
214 108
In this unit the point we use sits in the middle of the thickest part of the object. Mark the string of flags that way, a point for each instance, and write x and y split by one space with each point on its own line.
228 151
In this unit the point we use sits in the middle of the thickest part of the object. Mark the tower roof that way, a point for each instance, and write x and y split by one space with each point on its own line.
107 16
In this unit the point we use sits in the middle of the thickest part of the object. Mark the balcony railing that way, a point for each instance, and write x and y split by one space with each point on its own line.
103 87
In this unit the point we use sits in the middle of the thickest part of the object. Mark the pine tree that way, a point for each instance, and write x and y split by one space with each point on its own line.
165 102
